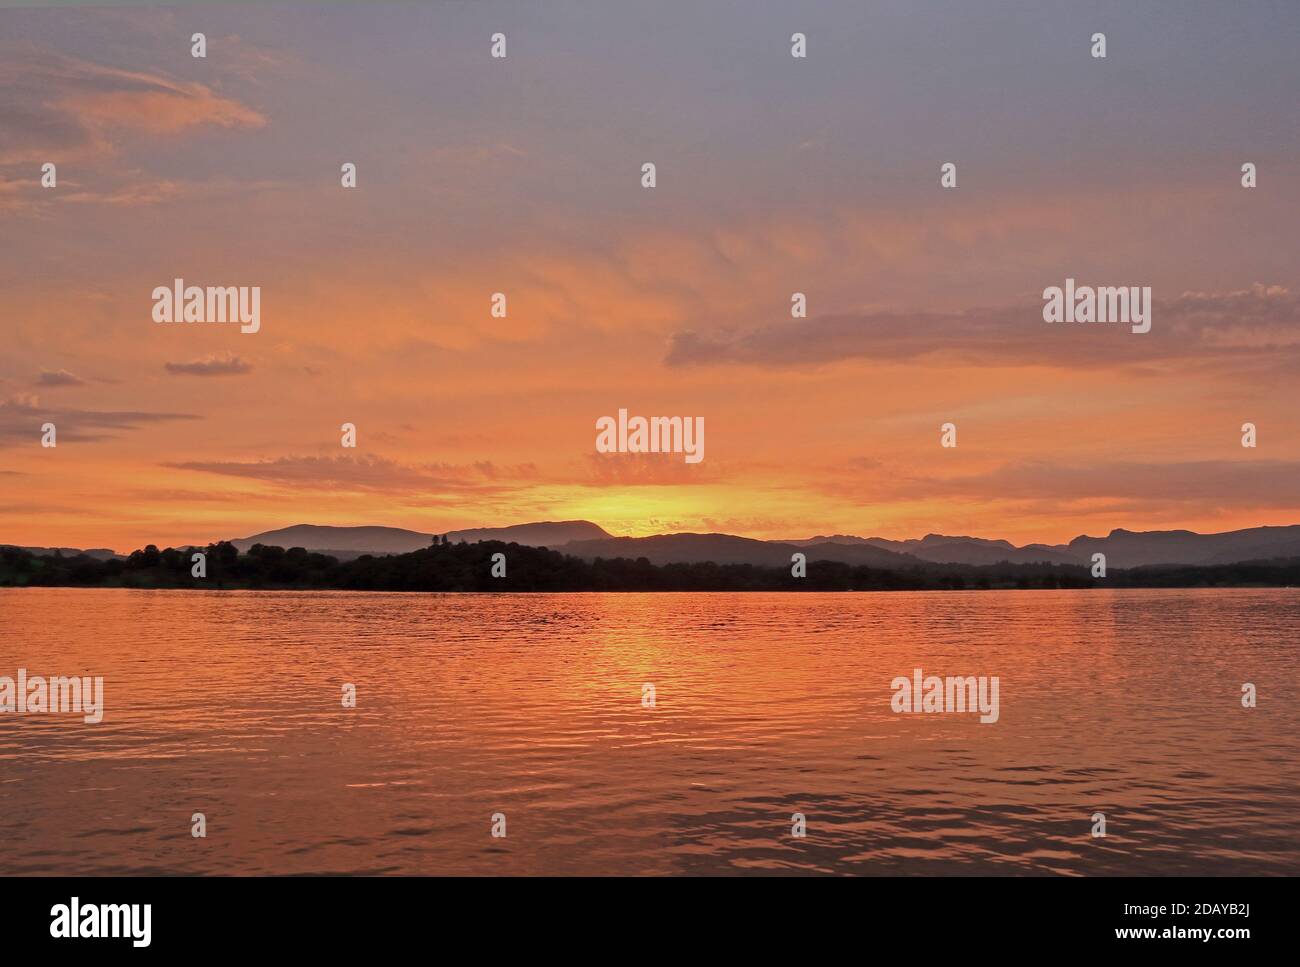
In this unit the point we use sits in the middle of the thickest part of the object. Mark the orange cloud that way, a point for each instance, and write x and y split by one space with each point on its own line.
58 108
166 110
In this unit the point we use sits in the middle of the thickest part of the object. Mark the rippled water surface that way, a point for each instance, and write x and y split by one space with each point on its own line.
229 703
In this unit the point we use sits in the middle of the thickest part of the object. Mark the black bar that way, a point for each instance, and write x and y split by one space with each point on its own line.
963 918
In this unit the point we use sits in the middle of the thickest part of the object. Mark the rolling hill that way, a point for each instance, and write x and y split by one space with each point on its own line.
584 539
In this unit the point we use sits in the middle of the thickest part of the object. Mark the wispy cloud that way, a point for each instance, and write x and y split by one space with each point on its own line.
59 377
222 365
54 107
1223 326
1249 480
370 474
21 417
646 469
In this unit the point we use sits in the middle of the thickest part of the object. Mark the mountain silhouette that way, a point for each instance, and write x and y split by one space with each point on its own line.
545 534
347 542
98 553
350 541
1135 548
583 539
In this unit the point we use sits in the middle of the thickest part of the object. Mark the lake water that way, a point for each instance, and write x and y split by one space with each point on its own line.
229 704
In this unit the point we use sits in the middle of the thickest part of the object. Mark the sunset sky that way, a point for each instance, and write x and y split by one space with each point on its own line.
775 175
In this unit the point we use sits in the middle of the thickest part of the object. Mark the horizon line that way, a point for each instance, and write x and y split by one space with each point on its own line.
826 537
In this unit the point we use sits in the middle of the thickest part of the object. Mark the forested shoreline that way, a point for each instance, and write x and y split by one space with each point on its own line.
470 567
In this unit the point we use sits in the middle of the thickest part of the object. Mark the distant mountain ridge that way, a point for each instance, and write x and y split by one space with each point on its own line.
581 538
98 553
1125 548
354 541
545 534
